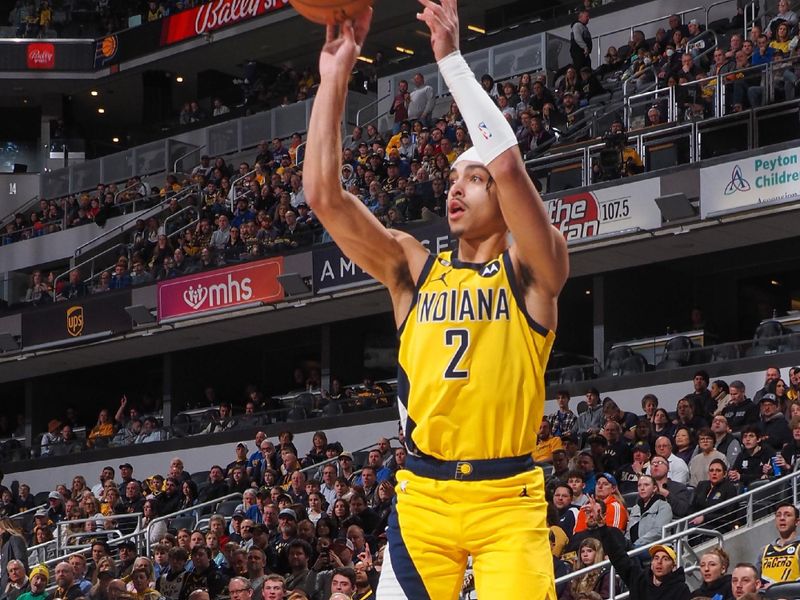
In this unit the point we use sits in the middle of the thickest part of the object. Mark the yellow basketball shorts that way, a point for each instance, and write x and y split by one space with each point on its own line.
437 523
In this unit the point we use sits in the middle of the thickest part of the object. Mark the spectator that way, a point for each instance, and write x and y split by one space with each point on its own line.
580 42
66 587
607 492
649 515
784 16
421 100
18 582
713 569
755 460
745 580
591 420
779 560
706 452
38 578
663 579
590 552
678 470
775 431
546 443
676 494
712 491
563 421
628 475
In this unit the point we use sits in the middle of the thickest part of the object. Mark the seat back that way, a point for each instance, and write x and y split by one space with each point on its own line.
615 359
767 335
634 364
679 349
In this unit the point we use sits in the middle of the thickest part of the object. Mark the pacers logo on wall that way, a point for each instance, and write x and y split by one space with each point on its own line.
75 320
576 216
106 50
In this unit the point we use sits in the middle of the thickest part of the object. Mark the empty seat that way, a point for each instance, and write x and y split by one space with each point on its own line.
297 413
615 359
786 589
630 499
582 407
571 375
768 336
725 352
227 507
719 25
679 349
200 477
332 409
183 522
667 364
634 364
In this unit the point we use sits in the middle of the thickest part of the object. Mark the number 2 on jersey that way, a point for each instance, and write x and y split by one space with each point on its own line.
458 338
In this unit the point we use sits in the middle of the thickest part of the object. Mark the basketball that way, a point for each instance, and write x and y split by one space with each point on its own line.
327 12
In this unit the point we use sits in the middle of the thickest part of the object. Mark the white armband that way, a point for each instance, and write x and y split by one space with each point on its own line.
490 131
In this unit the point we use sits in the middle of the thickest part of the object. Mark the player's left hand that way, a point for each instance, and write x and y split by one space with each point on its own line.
442 20
339 53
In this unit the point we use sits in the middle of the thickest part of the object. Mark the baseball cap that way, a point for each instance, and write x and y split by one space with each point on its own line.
569 437
664 548
39 570
239 514
768 398
694 22
347 455
40 513
642 447
54 496
289 513
126 466
598 439
610 478
242 445
130 544
342 541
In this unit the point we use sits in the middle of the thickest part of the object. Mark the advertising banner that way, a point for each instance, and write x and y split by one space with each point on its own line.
77 318
603 212
750 181
223 288
41 55
50 55
213 15
334 271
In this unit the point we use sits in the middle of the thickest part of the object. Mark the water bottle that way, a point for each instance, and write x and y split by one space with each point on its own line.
776 470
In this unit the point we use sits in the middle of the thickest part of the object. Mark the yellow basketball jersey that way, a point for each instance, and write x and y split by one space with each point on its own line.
471 363
780 563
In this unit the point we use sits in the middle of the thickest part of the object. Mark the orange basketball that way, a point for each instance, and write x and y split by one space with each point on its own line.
327 12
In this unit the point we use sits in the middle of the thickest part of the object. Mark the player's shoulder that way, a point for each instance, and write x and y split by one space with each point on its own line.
416 255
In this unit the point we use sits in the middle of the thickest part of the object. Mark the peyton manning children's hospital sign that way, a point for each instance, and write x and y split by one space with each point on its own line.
743 184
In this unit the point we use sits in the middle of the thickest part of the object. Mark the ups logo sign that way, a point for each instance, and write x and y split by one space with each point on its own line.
75 321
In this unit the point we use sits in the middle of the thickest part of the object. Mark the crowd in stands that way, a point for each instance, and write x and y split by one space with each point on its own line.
312 525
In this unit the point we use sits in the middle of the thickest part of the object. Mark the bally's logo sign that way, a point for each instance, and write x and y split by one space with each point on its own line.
75 320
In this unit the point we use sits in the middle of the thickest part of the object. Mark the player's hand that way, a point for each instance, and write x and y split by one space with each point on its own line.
341 49
442 20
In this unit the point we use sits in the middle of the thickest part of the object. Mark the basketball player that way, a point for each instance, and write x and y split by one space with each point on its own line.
476 328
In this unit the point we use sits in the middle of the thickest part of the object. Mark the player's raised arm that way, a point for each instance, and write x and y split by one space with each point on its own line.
394 258
539 246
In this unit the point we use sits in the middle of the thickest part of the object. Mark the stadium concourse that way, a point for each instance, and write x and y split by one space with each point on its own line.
662 443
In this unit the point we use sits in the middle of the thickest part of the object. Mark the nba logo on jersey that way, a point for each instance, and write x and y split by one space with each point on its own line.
484 130
490 269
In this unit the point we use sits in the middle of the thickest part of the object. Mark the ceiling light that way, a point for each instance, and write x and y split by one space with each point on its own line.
476 29
179 79
365 59
588 292
115 140
101 110
404 50
94 93
775 282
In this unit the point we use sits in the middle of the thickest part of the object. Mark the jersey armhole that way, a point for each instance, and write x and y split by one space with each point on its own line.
519 297
426 269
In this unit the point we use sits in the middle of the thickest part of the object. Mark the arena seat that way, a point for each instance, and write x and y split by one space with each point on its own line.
227 507
614 360
786 589
634 364
571 375
179 523
679 349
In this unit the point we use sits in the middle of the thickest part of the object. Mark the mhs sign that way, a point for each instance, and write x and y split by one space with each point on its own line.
221 289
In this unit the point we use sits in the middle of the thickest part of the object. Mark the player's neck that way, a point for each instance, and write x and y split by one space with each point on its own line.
481 250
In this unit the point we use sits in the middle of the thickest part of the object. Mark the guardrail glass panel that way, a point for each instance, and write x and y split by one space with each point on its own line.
86 175
150 158
119 166
256 128
223 138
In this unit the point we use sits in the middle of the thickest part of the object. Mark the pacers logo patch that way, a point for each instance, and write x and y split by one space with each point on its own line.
463 469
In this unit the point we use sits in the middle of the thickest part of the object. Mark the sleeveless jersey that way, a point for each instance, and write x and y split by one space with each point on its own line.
781 563
471 363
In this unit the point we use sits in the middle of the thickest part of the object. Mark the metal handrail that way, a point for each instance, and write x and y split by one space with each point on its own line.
181 157
712 5
60 525
297 161
634 552
183 511
20 209
122 227
30 510
91 260
185 209
370 105
780 482
632 28
232 195
327 461
127 189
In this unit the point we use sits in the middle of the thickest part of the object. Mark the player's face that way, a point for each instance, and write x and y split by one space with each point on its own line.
472 202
